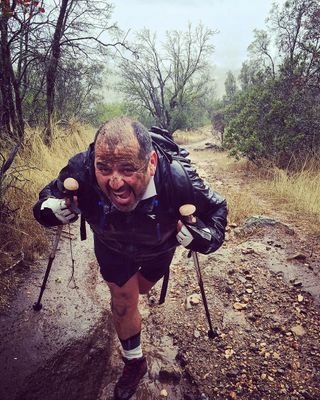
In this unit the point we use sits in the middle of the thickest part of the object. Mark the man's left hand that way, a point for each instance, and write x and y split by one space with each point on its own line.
193 235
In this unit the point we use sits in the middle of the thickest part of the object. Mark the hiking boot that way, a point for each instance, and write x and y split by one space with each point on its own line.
132 373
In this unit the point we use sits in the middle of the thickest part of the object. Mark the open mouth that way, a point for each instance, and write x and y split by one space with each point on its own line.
121 196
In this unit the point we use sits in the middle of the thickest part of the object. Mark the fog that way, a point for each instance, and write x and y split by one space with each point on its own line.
234 21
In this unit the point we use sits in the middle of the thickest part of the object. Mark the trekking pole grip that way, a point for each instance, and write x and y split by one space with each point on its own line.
187 211
71 185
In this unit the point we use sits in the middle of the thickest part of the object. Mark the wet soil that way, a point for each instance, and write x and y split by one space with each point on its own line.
262 289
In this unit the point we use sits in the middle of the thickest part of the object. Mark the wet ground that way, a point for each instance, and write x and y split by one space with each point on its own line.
262 288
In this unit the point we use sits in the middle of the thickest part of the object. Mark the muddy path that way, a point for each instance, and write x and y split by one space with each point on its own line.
262 288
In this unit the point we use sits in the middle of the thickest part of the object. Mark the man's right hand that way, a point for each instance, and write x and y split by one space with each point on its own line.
60 209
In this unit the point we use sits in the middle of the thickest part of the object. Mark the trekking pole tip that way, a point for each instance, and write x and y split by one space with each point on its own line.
37 306
212 334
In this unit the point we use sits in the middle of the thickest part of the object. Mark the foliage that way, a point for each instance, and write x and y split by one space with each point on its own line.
169 82
230 87
275 116
273 122
106 111
51 65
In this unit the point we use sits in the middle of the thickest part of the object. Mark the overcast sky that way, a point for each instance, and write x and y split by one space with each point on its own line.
234 19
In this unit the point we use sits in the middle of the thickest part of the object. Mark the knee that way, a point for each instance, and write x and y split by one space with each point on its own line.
118 310
123 305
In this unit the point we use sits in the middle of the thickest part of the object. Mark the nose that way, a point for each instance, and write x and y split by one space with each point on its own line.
115 181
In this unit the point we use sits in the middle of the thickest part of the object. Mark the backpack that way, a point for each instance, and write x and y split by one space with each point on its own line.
160 137
177 157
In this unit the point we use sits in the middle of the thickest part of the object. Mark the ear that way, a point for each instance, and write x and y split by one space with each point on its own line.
153 163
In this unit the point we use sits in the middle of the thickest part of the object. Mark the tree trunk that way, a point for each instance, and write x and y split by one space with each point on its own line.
52 70
11 118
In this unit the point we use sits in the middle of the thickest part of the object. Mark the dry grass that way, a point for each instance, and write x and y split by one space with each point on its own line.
21 237
265 189
231 179
298 193
189 137
241 206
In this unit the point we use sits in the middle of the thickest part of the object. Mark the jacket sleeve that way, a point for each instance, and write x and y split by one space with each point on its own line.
211 209
55 189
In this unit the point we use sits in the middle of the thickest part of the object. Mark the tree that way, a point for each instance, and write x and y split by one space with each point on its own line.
276 115
10 80
36 46
15 21
298 38
106 111
78 30
260 50
171 81
230 86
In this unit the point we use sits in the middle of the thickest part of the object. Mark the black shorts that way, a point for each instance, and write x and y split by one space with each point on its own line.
119 268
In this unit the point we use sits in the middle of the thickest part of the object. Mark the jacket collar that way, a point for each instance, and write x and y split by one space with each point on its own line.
150 190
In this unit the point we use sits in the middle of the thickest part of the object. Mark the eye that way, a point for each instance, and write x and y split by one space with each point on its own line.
128 170
104 169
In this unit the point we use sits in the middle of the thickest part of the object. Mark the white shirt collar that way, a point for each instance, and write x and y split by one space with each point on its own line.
150 190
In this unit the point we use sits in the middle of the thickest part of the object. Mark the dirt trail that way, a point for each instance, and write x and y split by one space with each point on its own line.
262 287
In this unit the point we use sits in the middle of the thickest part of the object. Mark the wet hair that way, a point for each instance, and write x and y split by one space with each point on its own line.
117 131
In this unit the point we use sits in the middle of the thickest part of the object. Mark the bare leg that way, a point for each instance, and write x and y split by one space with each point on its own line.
127 321
124 305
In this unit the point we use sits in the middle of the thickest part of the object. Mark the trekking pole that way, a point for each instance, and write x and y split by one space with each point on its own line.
186 212
71 186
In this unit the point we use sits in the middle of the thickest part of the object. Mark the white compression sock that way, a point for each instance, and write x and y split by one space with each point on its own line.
133 353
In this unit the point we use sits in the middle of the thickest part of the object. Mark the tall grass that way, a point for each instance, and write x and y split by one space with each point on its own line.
300 190
35 165
241 205
276 191
189 137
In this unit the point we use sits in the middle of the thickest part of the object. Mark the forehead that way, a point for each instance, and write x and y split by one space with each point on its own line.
126 148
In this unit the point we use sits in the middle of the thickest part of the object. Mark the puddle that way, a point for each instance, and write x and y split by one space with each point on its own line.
276 260
297 272
75 372
32 342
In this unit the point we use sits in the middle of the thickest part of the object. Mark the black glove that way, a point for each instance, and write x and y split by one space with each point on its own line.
195 236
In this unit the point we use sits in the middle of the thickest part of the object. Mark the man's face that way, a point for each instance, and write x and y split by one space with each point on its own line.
121 175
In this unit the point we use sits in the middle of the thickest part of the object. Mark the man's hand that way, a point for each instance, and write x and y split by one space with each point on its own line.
193 235
184 236
60 209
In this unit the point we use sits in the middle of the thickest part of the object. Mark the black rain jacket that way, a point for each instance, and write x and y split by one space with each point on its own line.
150 229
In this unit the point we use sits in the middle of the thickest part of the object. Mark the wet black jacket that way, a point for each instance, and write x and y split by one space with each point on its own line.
151 228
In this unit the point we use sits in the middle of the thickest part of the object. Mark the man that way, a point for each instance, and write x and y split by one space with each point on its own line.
130 194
